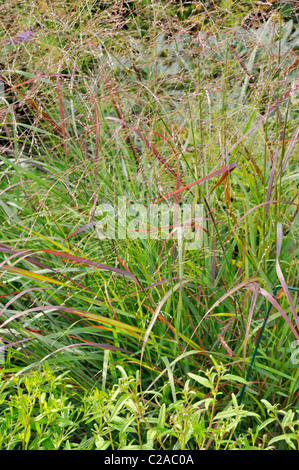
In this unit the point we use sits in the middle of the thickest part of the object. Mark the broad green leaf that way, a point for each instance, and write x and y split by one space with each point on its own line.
235 378
201 380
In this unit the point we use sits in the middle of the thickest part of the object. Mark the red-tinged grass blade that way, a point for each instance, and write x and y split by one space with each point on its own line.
13 185
289 150
251 210
224 178
242 285
21 254
132 330
110 303
32 275
117 108
94 345
15 343
124 264
280 274
281 141
223 331
16 297
87 262
252 307
128 271
178 183
165 140
161 282
9 293
229 351
7 249
242 64
281 291
111 324
278 308
81 229
226 169
34 79
255 165
291 66
147 143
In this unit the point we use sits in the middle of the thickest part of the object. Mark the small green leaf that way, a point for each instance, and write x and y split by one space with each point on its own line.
161 418
201 380
37 427
235 378
67 445
22 416
27 434
247 445
234 413
101 444
267 404
285 437
265 423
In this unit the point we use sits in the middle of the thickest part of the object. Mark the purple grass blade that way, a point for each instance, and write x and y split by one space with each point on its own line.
289 149
279 309
16 297
281 277
94 345
81 229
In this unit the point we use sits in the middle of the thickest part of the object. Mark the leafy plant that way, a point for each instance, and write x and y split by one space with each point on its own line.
149 105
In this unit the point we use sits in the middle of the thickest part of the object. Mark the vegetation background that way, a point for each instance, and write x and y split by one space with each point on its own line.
136 343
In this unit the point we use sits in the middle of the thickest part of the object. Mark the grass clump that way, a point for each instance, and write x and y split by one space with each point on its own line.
107 105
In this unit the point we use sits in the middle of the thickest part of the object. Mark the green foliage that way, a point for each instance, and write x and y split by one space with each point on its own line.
45 412
36 412
135 100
